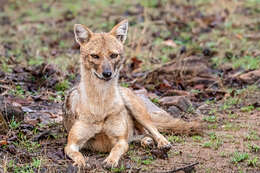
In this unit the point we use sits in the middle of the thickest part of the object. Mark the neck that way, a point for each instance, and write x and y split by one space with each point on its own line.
94 90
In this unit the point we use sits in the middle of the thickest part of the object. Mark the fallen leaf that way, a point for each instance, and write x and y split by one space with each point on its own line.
169 43
3 142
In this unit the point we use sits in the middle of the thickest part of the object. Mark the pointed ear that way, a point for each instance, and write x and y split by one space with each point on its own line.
120 31
82 34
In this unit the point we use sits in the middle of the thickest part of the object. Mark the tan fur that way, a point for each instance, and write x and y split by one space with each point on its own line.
99 114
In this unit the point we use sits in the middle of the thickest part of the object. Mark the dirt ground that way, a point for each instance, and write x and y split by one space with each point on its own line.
199 60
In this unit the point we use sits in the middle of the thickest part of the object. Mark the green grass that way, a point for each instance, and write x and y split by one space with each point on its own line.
62 86
253 162
239 157
24 142
215 142
231 126
25 168
247 62
4 66
175 139
197 138
252 135
247 108
119 169
230 102
14 124
124 84
18 91
210 119
253 147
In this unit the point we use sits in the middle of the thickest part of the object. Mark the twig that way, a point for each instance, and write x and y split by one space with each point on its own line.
186 169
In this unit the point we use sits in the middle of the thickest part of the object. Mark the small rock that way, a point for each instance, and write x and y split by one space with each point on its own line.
72 169
127 165
162 154
10 110
250 77
174 111
32 119
181 102
183 50
12 149
206 51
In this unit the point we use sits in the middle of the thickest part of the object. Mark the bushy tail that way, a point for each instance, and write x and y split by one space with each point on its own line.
166 123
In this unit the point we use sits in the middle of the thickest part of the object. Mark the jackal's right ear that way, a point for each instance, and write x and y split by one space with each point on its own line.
82 34
120 31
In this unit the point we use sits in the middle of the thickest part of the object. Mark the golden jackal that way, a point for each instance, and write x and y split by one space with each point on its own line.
98 113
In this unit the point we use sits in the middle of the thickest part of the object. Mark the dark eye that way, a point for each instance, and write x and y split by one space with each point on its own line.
94 56
113 55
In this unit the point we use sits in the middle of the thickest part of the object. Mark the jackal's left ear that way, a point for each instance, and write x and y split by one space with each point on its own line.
82 34
120 31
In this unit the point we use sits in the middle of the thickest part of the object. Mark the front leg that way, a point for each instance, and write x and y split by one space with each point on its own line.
138 110
118 128
79 134
120 147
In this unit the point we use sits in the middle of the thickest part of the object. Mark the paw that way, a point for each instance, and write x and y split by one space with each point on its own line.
147 142
79 160
164 144
109 163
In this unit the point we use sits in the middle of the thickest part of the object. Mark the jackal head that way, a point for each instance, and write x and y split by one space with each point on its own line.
101 53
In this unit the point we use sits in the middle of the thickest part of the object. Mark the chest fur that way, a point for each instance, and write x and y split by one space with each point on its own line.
97 106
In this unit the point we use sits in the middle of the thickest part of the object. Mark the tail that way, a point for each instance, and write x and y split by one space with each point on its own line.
166 123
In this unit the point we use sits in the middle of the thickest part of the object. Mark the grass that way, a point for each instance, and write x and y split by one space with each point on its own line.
215 142
18 91
196 138
210 119
62 86
148 161
175 139
239 157
252 135
253 162
253 147
14 124
247 108
231 126
246 62
119 169
24 142
25 168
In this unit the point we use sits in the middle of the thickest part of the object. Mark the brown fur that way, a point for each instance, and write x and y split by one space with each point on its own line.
99 114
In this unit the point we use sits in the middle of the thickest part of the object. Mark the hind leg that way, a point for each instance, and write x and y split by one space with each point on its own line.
147 142
141 115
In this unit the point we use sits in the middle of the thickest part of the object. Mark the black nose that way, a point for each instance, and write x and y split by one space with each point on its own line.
107 74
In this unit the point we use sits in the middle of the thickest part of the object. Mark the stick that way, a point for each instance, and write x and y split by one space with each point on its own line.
186 169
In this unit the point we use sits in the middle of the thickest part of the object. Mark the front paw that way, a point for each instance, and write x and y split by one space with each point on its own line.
79 160
164 144
109 163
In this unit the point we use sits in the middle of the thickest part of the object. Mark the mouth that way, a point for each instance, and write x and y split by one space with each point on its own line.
101 77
